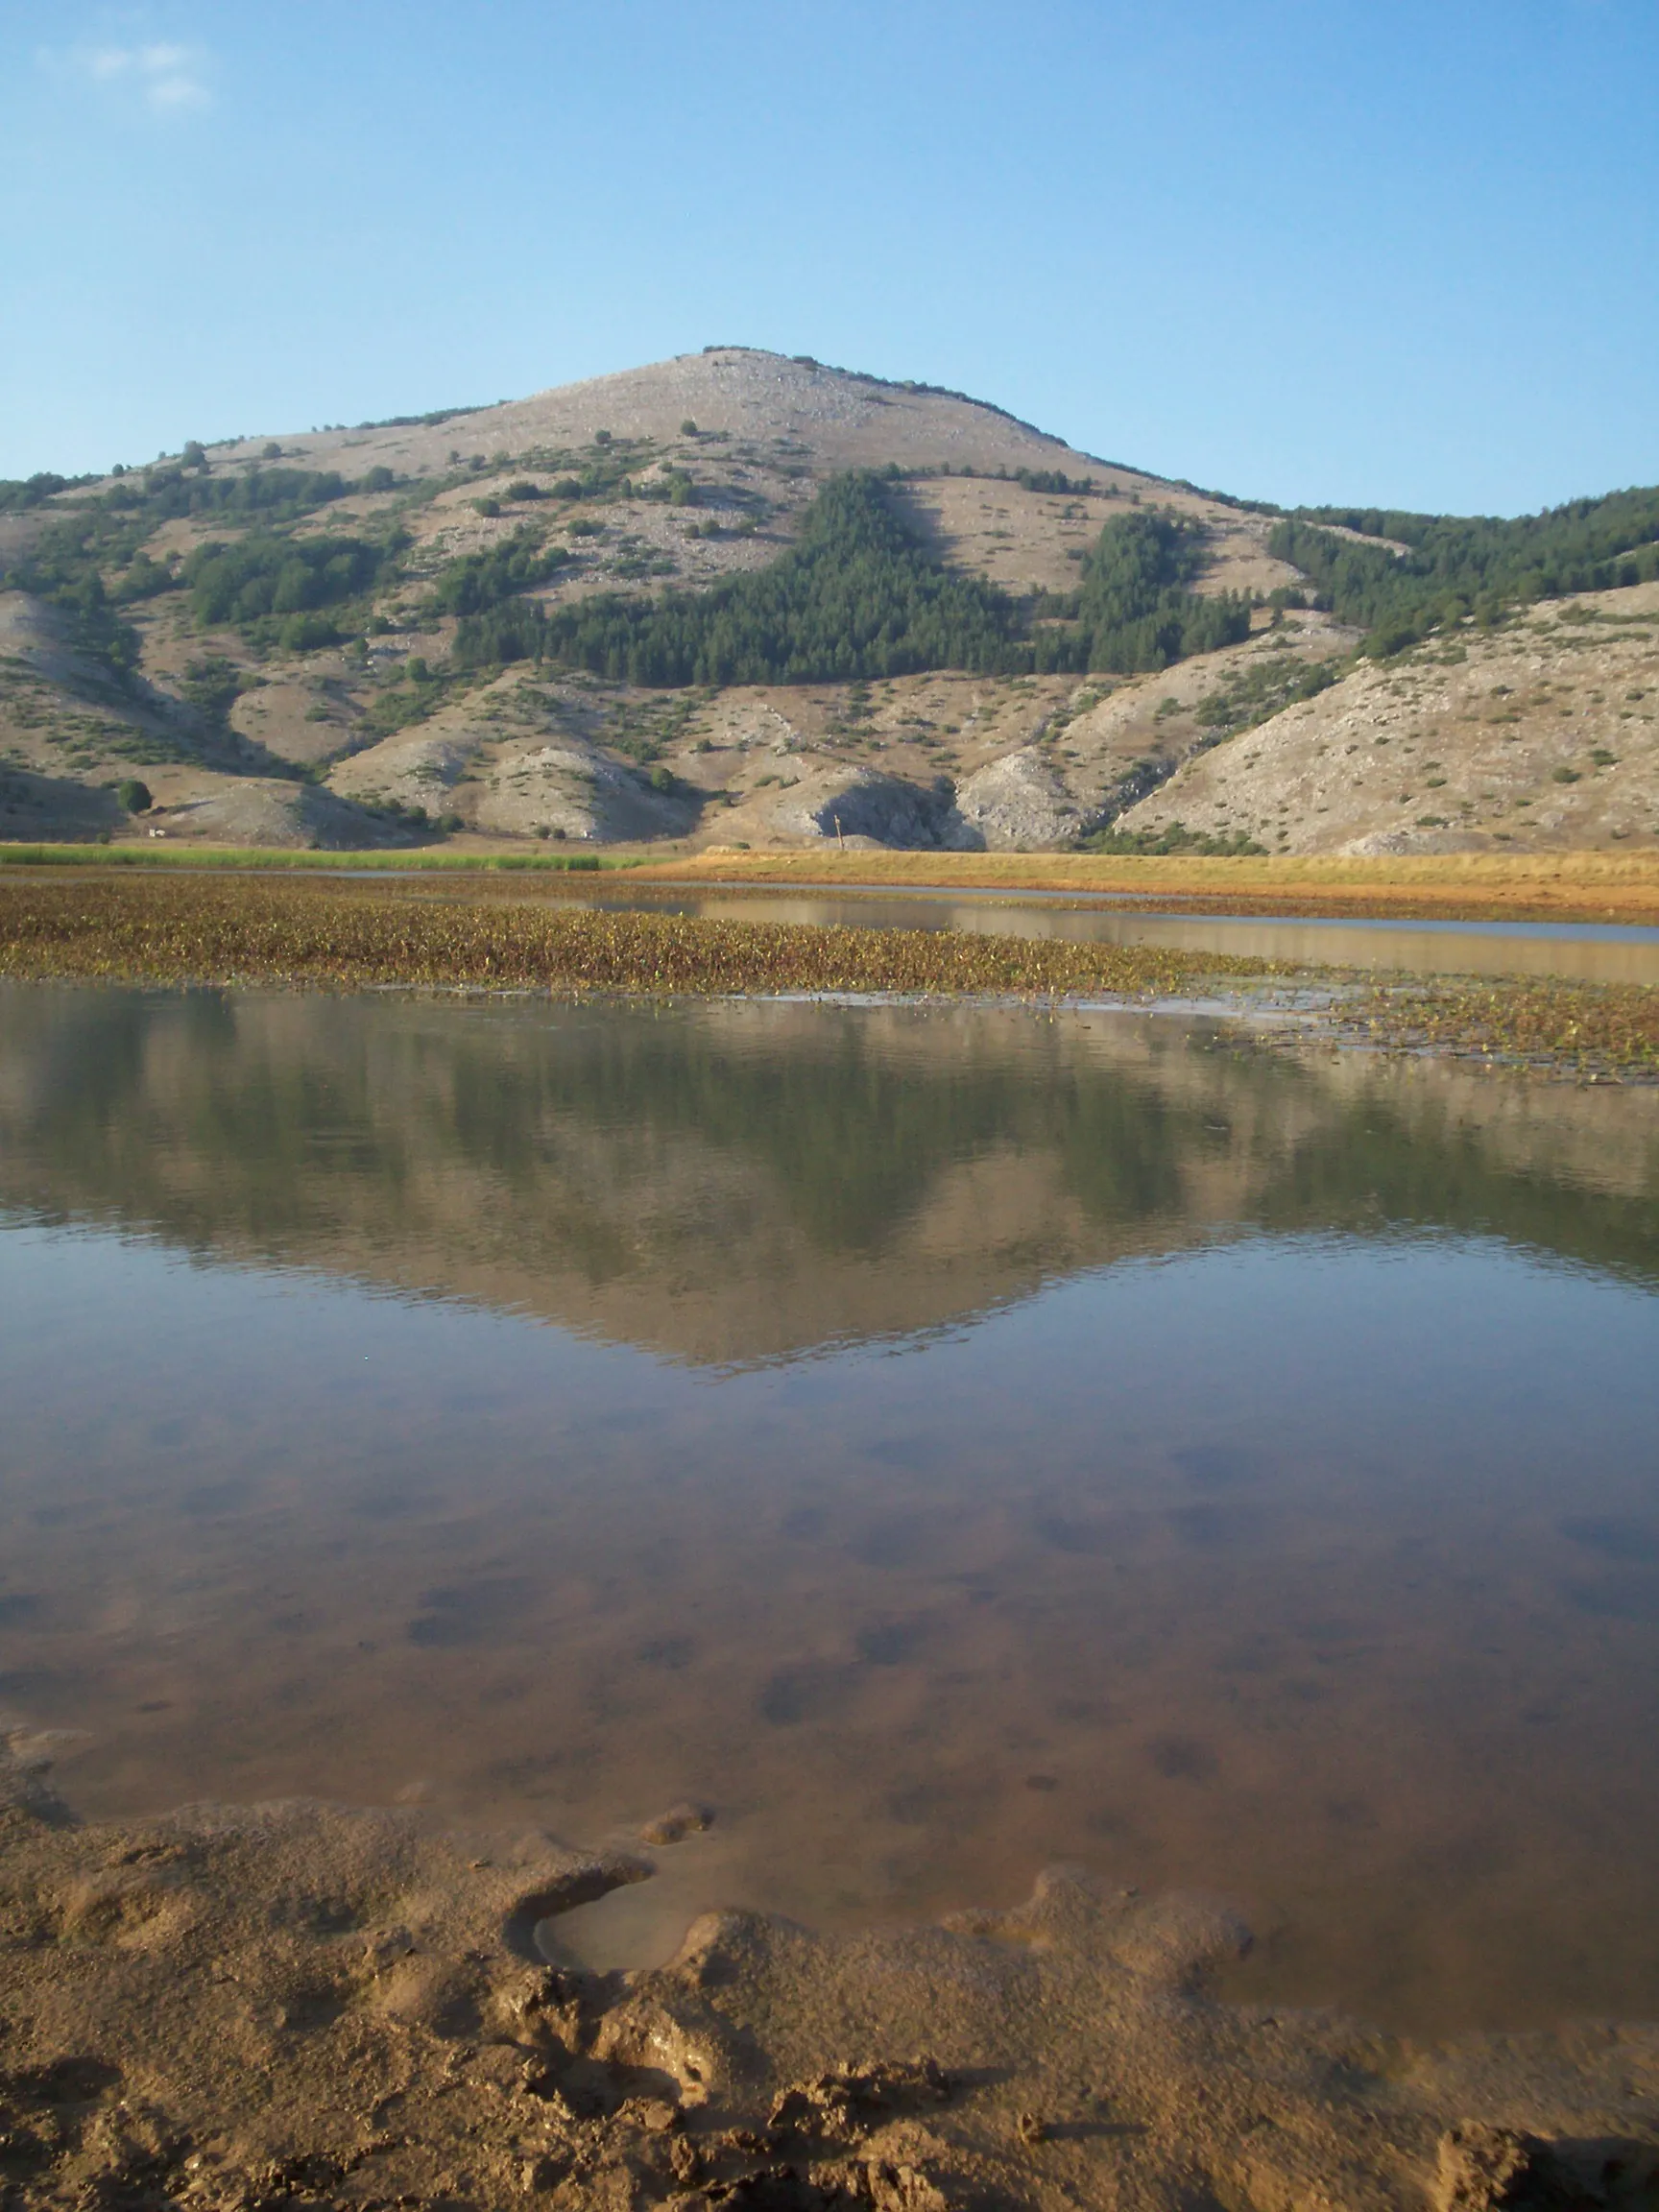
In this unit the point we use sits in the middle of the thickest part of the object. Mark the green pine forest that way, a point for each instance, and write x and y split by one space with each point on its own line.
1453 566
858 596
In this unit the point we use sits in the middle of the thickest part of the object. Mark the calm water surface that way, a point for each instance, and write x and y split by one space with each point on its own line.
943 1442
1585 952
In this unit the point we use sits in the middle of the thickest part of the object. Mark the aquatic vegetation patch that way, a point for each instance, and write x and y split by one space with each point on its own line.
1585 1028
180 930
459 933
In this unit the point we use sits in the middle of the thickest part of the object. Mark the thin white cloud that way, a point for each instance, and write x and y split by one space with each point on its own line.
169 79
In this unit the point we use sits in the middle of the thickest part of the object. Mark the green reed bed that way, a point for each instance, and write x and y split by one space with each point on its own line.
276 861
203 930
1589 1029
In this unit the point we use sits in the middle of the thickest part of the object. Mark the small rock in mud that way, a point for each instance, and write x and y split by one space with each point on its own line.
677 1824
903 2188
1486 2169
654 2114
854 2099
544 2172
684 2160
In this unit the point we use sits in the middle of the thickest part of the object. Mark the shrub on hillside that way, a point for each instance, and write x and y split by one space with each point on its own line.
266 576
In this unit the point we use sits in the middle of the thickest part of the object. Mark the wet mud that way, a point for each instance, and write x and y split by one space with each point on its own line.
230 2009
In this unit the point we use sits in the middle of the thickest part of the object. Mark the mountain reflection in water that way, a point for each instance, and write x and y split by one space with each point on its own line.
964 1439
732 1182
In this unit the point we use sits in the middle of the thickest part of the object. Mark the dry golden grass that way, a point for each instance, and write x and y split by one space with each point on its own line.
1558 887
1588 887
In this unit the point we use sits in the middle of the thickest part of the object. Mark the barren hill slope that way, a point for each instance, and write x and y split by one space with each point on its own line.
944 759
1544 733
841 420
683 474
269 613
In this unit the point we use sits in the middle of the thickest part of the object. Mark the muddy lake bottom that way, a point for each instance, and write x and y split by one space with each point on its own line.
943 1442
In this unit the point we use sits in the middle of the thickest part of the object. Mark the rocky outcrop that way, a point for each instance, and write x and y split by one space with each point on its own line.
566 787
1541 733
862 802
261 811
1382 844
420 769
1013 804
571 789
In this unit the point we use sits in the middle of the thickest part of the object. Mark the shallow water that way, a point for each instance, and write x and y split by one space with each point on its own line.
1584 951
943 1442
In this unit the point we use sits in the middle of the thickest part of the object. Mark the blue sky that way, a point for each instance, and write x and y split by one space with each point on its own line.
1304 250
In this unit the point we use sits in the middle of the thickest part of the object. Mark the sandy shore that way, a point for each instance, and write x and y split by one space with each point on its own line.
297 2003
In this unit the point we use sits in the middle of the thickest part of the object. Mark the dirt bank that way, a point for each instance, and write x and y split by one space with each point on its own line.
295 2003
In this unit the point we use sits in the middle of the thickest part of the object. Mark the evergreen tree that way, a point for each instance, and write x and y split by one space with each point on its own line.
1456 565
858 596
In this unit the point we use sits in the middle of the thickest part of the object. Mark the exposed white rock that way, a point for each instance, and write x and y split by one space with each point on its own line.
575 789
417 770
1016 803
261 811
855 801
38 633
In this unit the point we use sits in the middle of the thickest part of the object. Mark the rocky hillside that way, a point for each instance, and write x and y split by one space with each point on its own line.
1546 733
331 638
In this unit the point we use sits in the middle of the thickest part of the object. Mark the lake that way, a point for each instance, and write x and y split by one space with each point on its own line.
1580 951
942 1442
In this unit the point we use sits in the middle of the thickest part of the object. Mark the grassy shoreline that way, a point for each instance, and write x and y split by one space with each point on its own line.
1555 886
262 860
1544 887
